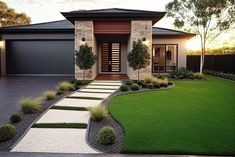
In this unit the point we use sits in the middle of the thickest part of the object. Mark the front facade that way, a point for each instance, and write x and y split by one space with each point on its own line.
48 49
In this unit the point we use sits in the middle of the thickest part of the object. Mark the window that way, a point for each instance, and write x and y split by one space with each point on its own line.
164 57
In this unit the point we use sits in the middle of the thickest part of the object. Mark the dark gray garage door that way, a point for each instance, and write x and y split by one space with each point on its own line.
40 57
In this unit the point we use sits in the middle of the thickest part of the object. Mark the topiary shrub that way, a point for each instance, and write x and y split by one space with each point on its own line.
135 87
63 86
181 73
30 105
149 79
98 113
107 135
15 118
49 95
124 88
198 76
59 92
129 82
7 131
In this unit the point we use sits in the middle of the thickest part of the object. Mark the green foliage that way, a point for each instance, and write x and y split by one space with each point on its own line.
150 85
59 92
124 88
63 86
149 79
85 59
129 82
107 135
30 105
135 87
156 83
164 82
98 113
139 57
49 95
15 118
198 76
61 125
8 16
181 73
220 74
7 131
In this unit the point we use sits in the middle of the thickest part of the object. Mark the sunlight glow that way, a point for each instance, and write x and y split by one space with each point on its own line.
193 44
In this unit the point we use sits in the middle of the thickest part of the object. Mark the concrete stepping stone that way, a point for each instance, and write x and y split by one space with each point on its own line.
97 90
65 116
78 102
102 87
106 83
54 141
91 95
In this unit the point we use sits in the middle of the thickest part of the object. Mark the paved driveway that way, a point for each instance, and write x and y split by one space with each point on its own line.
12 89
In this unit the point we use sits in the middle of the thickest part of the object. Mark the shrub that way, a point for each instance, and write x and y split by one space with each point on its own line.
65 86
149 79
135 87
156 83
181 73
86 82
50 95
124 88
107 135
149 85
198 76
76 87
220 74
59 92
170 83
30 105
129 82
7 131
143 84
139 82
98 113
164 83
15 118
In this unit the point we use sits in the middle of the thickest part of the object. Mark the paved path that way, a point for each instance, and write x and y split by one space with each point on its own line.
12 89
67 140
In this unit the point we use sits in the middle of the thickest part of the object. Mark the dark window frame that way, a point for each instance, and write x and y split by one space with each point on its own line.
165 66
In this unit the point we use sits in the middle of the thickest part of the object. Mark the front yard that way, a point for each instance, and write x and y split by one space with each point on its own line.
195 117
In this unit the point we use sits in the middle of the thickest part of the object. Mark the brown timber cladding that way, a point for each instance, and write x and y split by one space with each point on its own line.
112 27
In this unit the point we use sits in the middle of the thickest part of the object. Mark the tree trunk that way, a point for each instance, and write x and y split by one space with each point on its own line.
203 49
84 73
138 74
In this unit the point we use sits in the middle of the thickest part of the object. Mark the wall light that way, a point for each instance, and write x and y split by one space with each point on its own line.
1 44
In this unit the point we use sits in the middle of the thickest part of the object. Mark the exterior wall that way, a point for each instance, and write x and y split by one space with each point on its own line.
84 29
182 48
123 59
139 30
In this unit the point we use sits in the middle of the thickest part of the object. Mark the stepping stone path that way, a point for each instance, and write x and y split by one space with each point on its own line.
67 140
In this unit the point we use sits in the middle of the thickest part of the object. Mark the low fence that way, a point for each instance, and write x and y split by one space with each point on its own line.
221 63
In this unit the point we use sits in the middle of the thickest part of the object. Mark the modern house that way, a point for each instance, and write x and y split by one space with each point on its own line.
48 48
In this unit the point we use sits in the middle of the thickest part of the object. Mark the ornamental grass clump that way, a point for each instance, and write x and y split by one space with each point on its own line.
50 95
156 83
30 105
198 76
164 82
107 135
63 86
7 131
149 79
98 113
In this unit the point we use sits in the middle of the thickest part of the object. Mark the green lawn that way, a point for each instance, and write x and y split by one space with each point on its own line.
195 117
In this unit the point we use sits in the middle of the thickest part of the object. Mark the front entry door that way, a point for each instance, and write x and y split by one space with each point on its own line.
110 57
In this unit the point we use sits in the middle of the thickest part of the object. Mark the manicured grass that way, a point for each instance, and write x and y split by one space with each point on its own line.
69 108
60 125
83 97
195 117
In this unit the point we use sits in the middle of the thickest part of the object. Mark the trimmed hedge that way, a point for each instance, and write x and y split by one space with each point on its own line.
220 74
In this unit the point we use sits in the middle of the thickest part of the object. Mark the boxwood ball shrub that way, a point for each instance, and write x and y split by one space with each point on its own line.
63 86
15 118
7 131
49 95
107 135
98 113
198 76
129 82
30 105
124 88
135 87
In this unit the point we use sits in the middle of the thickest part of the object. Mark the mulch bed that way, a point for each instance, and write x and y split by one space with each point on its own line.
27 121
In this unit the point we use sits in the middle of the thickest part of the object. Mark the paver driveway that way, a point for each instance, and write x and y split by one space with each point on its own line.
14 88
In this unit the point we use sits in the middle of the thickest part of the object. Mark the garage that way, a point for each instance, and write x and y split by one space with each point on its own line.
40 57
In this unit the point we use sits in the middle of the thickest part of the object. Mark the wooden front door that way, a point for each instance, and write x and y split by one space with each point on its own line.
110 57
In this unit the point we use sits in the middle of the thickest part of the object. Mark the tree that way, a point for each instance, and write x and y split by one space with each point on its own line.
207 18
8 16
85 59
139 57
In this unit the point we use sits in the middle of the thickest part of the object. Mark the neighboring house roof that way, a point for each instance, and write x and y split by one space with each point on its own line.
113 13
67 27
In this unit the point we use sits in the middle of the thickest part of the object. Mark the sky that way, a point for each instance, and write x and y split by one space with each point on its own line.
49 10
